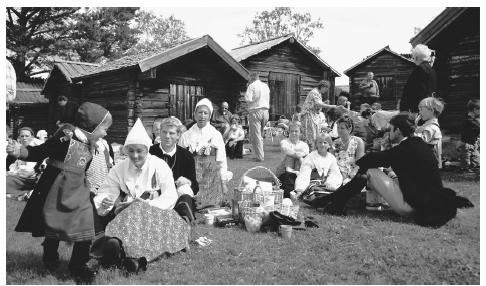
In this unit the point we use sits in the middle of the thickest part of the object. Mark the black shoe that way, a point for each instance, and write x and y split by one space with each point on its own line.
51 264
83 274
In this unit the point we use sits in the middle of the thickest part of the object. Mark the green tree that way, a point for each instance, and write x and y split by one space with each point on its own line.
279 22
157 32
101 34
32 34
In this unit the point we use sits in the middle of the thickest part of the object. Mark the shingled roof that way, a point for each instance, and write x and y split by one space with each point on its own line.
370 57
71 69
147 60
244 52
29 93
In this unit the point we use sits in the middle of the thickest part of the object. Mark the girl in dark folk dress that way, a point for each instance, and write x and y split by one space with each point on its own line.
60 208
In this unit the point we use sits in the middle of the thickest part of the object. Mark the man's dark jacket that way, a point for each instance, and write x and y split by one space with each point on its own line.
414 163
421 83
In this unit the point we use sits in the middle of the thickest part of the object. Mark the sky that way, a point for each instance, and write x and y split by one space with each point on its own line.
350 33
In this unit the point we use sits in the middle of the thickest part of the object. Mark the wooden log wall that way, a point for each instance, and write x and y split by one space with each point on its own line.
288 58
111 91
383 64
457 66
202 68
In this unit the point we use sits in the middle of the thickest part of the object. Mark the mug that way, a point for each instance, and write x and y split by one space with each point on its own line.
285 231
209 219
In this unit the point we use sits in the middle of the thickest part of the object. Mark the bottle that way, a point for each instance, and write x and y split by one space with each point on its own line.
258 192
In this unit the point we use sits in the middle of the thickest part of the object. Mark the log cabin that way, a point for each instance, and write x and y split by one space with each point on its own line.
289 68
60 82
29 108
391 71
454 35
162 83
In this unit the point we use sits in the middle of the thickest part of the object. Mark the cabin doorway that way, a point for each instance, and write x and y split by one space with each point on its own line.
284 93
387 87
183 99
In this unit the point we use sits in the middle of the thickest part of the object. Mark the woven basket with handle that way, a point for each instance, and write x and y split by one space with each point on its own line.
243 200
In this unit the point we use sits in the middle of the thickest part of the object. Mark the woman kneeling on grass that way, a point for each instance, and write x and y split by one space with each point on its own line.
207 146
319 169
141 193
294 152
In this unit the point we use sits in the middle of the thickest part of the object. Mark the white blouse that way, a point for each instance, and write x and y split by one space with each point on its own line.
134 181
287 149
196 138
326 165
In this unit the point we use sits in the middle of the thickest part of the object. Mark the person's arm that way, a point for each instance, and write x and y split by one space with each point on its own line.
241 135
249 93
217 141
286 148
360 149
364 84
375 160
303 179
334 179
107 193
168 196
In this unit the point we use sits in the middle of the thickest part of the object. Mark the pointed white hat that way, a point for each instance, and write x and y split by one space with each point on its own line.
205 102
138 135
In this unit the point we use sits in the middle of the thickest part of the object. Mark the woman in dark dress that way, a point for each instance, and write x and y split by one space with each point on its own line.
181 161
60 208
422 82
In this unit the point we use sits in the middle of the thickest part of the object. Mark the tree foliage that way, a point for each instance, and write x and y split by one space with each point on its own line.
37 36
279 22
33 33
157 32
102 34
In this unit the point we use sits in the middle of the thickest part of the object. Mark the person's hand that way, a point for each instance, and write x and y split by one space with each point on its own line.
392 175
13 148
232 143
58 123
342 108
182 181
106 203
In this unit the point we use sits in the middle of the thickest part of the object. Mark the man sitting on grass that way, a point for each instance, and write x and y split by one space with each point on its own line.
417 191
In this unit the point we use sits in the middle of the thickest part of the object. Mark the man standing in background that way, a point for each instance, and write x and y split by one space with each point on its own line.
370 92
66 111
258 99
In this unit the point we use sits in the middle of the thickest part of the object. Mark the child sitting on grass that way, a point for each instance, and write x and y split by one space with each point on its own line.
470 136
429 110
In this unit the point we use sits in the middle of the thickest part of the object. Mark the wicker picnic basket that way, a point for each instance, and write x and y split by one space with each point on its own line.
244 201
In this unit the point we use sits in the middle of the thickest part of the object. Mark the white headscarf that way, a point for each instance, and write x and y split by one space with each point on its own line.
205 102
138 135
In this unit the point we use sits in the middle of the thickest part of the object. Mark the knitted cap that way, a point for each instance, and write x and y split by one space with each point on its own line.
138 135
89 116
205 102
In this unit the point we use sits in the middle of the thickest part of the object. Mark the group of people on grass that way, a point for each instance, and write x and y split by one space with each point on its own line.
81 192
336 160
82 196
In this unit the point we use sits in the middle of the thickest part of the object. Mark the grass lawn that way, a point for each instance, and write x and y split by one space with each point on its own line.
362 248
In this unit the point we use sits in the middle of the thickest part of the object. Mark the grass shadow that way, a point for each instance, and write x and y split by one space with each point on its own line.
25 265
